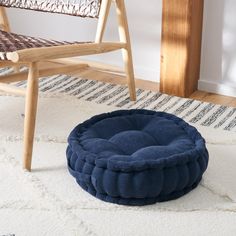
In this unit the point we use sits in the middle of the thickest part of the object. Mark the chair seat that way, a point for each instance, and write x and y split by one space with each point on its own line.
11 42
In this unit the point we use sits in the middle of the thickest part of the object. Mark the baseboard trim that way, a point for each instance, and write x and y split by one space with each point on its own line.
213 87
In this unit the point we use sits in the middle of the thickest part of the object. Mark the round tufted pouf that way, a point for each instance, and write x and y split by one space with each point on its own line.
136 157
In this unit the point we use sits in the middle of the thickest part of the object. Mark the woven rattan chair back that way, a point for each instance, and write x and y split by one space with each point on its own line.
82 8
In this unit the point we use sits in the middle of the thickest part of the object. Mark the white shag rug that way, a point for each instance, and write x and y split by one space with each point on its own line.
48 201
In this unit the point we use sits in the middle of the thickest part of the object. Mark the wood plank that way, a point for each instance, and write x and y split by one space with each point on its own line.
30 115
10 89
233 103
126 52
102 20
64 51
4 23
114 76
181 46
116 79
93 74
63 69
199 95
93 64
218 99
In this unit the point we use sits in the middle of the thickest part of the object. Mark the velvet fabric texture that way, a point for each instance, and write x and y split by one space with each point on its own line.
136 157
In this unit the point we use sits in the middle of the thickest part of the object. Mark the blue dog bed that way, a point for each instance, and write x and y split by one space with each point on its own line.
136 157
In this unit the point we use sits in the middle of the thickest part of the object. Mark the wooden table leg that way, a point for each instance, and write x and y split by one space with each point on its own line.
181 46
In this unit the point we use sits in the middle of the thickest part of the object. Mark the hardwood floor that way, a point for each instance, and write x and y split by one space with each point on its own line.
117 78
214 98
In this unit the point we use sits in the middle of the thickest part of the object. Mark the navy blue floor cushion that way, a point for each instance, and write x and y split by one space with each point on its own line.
136 157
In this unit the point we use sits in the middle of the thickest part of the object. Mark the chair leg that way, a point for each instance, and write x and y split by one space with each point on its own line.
127 52
30 115
127 56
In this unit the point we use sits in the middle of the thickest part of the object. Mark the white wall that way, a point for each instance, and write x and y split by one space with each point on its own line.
145 27
218 66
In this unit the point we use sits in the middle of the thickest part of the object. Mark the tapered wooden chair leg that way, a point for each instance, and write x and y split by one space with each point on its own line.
129 73
127 52
30 115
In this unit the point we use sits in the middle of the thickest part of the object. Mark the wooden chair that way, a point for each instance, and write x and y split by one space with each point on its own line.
16 50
